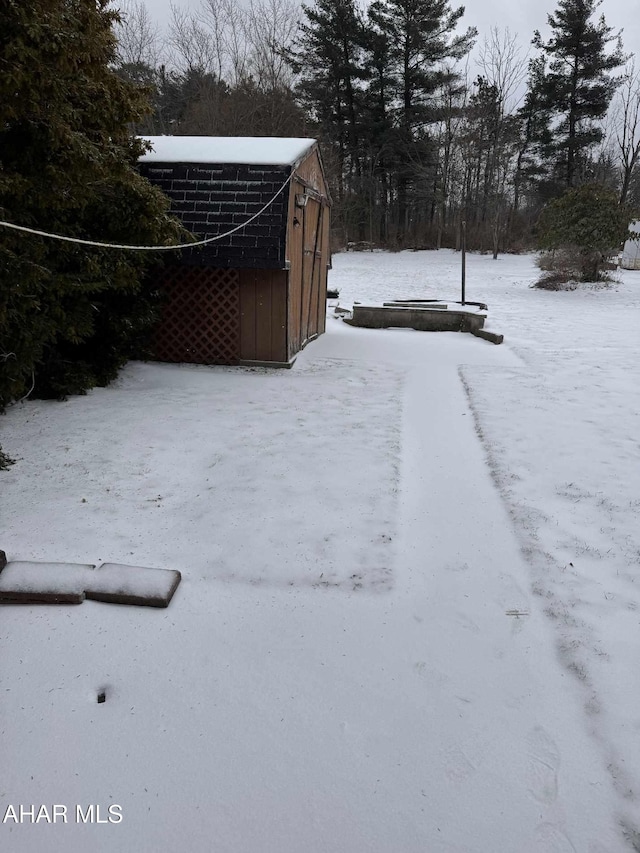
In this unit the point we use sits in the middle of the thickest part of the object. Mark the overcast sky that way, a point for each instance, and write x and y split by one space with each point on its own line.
522 17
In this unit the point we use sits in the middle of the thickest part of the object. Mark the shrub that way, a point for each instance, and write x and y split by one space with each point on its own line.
579 231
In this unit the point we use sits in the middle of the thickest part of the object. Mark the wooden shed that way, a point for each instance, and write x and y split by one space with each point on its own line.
258 294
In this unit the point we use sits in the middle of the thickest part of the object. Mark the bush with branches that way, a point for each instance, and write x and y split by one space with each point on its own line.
578 232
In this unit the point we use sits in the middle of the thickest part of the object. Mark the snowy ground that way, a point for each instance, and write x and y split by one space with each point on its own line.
409 616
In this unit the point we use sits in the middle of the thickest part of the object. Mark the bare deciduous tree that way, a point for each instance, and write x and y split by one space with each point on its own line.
232 61
271 29
226 23
192 47
504 67
626 118
140 41
235 42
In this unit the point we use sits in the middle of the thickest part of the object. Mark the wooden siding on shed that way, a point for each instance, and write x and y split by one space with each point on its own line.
294 257
308 257
263 315
311 172
324 268
311 262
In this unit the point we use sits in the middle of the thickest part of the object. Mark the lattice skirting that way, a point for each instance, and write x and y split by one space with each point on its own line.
200 321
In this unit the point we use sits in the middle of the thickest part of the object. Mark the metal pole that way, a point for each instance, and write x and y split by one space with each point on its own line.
463 250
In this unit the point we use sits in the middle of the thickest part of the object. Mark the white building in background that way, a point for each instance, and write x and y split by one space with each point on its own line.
630 257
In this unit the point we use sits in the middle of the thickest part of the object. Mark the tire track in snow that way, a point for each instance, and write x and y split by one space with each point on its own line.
462 575
580 645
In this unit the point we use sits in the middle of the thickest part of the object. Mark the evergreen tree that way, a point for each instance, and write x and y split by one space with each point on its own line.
328 57
578 85
69 314
330 61
535 153
421 38
587 223
378 128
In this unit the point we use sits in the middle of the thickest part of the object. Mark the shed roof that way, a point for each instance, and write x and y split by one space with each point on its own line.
249 150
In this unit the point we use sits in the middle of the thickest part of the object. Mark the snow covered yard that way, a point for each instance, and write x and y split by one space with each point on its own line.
409 616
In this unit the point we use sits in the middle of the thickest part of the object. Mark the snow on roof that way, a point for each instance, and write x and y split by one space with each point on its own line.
254 150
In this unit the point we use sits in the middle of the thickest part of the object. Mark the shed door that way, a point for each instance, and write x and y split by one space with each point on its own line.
311 267
263 315
200 321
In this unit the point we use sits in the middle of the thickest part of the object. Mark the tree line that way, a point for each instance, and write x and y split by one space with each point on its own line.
414 141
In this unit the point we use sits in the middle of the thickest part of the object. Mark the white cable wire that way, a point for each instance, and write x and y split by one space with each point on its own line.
146 248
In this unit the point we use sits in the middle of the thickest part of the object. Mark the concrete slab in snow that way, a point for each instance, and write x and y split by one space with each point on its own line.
133 585
24 582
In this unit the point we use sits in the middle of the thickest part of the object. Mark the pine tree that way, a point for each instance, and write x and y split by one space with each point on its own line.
69 315
378 128
329 60
534 161
328 57
422 37
578 85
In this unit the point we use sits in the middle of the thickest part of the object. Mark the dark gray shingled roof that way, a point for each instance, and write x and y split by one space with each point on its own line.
211 199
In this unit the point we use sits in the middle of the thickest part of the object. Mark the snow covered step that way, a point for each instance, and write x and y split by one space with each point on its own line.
70 583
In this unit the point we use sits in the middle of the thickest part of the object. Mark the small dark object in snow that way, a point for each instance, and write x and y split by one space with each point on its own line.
102 697
332 293
3 560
